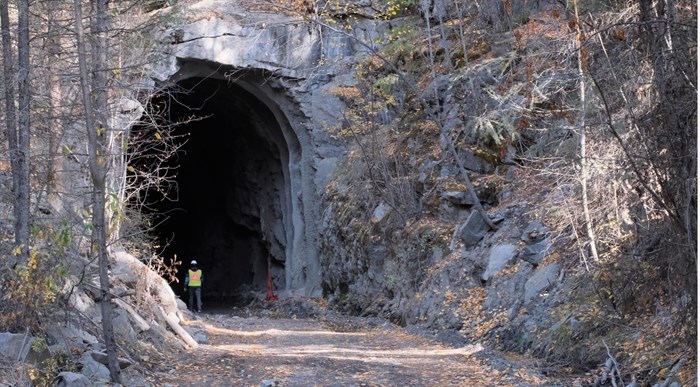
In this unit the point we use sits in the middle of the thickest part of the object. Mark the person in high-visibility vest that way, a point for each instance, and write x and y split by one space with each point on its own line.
193 282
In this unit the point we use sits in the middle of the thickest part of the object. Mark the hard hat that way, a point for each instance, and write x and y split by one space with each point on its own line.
193 263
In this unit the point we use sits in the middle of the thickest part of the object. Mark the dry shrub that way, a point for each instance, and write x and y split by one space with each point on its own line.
30 292
14 373
149 279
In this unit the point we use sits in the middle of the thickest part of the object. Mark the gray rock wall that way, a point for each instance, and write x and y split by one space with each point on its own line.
422 276
291 66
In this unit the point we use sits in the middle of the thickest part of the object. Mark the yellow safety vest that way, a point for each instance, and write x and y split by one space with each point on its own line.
195 278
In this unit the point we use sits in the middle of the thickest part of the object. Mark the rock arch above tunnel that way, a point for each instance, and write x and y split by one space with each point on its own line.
290 68
245 190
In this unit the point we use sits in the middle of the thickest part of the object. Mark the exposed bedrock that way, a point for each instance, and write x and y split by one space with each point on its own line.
258 151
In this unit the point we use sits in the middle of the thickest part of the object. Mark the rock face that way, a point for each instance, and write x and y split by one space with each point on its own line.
259 157
71 379
543 279
94 370
136 326
473 229
15 346
499 257
254 95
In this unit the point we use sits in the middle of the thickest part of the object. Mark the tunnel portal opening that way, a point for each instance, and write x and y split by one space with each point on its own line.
229 205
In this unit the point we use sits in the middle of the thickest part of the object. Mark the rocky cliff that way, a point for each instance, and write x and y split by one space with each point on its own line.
417 162
355 194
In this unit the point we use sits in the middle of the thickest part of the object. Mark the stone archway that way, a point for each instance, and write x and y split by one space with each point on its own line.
245 182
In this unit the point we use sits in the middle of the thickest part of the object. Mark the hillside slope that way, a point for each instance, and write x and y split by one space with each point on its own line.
552 117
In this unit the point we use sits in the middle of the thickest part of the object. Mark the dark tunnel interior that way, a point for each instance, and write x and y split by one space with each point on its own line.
226 208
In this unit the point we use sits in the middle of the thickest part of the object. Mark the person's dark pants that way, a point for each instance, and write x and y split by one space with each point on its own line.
195 291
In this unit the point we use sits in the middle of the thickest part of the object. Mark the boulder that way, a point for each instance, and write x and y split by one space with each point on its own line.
427 171
458 197
71 337
473 230
497 217
82 302
509 156
541 280
181 305
536 252
71 379
15 346
473 162
92 369
499 257
485 194
122 326
201 337
125 267
101 357
449 212
381 212
128 265
534 232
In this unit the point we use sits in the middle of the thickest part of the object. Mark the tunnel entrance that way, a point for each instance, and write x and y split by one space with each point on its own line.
230 207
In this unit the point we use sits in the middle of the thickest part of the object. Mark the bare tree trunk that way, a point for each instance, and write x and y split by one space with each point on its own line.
96 124
590 231
17 135
10 114
55 128
425 7
462 37
23 128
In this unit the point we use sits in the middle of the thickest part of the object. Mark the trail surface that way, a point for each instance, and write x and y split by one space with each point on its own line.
264 348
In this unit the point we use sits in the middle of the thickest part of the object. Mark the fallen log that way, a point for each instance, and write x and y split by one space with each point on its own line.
174 324
140 321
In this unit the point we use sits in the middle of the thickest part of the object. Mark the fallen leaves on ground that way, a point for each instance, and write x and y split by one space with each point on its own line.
335 351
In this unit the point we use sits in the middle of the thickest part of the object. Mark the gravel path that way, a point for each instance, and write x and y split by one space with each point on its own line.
266 348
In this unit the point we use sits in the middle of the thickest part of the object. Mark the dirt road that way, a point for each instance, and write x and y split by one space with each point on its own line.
269 348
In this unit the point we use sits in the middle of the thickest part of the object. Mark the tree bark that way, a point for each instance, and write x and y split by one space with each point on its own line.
96 125
10 114
54 179
673 73
18 140
590 231
23 128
